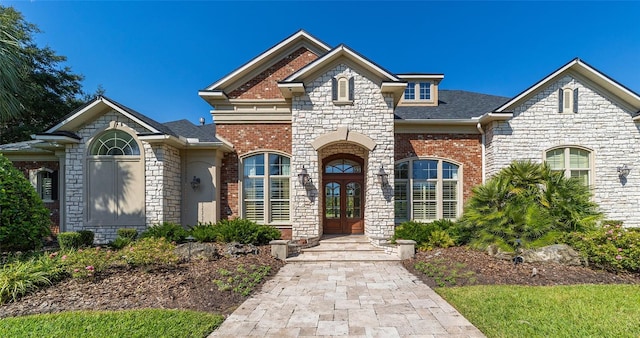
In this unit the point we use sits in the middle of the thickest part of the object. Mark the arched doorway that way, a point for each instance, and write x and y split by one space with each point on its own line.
343 180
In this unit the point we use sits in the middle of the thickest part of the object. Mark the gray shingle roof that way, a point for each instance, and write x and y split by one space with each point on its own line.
204 133
452 104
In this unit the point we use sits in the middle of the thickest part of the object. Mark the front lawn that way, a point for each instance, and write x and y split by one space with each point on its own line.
549 311
131 323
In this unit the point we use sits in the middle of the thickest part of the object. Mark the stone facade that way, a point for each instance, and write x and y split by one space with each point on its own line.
315 114
163 180
602 125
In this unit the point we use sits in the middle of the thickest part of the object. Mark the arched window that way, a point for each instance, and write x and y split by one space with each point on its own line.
343 166
426 190
266 188
115 142
572 162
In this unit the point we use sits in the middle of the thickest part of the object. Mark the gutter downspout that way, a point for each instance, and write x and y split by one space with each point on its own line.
479 126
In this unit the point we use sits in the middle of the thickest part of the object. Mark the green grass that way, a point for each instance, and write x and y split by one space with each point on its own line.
131 323
558 311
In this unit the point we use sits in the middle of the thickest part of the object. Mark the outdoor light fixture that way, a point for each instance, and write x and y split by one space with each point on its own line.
624 171
303 177
195 183
383 177
190 239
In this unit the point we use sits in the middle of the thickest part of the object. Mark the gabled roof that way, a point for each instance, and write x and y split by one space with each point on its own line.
95 107
184 128
342 51
452 105
583 69
267 56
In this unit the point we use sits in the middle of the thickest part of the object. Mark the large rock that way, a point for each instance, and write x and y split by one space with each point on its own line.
237 249
557 253
207 251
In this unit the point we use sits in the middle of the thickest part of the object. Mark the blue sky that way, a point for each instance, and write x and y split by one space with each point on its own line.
154 56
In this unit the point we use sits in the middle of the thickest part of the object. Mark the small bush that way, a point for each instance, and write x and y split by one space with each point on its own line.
205 232
149 251
436 234
170 231
610 247
69 240
86 237
83 263
19 277
129 233
120 242
24 220
245 231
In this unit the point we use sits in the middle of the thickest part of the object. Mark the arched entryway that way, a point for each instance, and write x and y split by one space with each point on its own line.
343 207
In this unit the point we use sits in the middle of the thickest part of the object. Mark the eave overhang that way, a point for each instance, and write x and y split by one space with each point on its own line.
290 89
60 139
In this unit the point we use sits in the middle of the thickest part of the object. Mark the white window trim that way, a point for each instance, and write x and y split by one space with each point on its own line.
416 92
266 177
567 161
439 190
34 176
343 100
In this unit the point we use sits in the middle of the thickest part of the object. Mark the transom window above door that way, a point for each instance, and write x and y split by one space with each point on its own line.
343 166
115 142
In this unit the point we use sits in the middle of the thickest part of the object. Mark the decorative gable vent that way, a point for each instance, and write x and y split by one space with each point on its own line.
342 89
568 100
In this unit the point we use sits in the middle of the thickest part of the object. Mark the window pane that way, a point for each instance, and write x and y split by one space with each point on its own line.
332 200
449 190
279 188
254 210
424 210
578 158
254 165
115 142
410 91
279 165
401 171
582 175
449 171
401 195
354 200
449 209
342 88
555 159
425 169
425 91
342 167
424 191
279 211
253 188
568 96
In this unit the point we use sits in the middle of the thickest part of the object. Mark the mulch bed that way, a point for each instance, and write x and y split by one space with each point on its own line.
190 285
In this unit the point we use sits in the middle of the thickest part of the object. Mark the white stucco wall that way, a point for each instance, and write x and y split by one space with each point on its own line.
601 124
315 114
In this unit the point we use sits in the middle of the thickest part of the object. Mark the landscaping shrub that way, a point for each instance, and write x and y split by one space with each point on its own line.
245 231
150 251
83 263
19 277
171 231
24 220
86 237
69 240
436 234
129 233
205 232
610 247
529 204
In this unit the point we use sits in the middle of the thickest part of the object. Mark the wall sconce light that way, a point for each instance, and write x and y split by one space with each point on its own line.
383 177
304 178
195 183
624 171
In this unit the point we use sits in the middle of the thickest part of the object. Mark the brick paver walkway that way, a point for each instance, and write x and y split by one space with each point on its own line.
357 299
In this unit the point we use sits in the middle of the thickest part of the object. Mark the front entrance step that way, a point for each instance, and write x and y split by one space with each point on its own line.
352 248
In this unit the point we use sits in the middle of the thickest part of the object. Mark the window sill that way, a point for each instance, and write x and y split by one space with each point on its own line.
342 103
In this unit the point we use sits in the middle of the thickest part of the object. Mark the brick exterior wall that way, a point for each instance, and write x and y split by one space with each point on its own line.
265 84
462 148
315 114
601 124
54 206
246 138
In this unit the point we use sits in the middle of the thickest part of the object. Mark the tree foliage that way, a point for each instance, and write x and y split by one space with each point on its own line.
528 204
38 89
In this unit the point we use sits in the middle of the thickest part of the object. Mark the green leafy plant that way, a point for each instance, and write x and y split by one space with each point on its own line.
24 220
436 234
243 280
610 247
85 263
86 237
444 274
129 233
19 277
527 204
150 251
236 230
69 240
170 231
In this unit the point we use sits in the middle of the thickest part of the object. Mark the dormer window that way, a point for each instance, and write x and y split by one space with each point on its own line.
568 100
342 89
423 89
